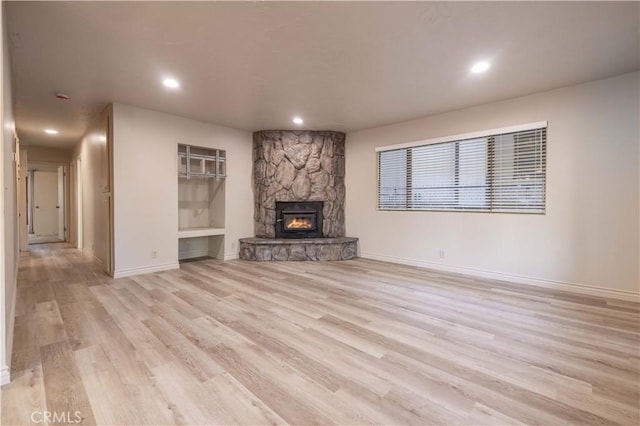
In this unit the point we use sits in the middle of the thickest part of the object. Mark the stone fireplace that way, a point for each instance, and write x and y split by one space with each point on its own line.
298 166
298 182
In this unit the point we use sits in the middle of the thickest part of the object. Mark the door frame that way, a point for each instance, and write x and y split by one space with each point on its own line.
73 203
46 208
23 194
62 204
76 203
30 166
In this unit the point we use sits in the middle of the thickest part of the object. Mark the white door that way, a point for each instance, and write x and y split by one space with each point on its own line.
60 204
22 200
45 203
79 235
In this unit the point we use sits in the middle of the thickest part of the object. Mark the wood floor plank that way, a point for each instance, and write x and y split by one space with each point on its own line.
133 372
356 342
24 400
485 416
26 349
78 328
50 327
273 392
188 404
152 351
65 392
98 374
243 406
185 352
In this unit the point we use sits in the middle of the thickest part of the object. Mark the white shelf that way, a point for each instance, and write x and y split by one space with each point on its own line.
201 162
199 232
201 201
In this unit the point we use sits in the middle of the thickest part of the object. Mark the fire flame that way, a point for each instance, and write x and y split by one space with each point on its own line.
297 223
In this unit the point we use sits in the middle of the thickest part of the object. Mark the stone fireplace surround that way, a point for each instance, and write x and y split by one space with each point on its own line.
305 165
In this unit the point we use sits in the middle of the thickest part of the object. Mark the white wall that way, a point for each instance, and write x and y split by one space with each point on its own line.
146 185
8 211
589 234
91 150
48 155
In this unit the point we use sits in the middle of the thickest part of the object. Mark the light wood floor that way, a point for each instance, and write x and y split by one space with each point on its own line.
354 342
42 239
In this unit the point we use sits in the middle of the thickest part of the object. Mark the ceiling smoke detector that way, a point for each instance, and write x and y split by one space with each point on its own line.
62 96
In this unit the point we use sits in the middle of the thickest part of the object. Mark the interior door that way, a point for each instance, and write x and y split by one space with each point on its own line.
79 217
60 205
45 195
22 200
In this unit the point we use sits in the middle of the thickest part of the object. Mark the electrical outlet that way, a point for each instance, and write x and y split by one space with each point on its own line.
154 254
441 254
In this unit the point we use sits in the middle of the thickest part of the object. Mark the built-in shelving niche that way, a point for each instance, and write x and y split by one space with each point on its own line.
201 202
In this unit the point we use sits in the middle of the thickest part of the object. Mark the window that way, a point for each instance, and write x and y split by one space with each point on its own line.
392 184
494 171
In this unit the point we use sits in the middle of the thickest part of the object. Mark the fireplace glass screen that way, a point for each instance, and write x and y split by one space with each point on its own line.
301 219
305 221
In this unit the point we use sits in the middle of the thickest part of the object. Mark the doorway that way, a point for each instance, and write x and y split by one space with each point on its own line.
75 203
46 203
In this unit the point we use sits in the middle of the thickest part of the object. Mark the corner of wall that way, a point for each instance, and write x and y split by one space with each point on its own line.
231 256
9 245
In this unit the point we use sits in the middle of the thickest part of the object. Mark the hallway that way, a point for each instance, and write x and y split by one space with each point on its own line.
53 286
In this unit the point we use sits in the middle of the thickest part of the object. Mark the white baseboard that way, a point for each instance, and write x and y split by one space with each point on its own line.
145 270
5 376
518 279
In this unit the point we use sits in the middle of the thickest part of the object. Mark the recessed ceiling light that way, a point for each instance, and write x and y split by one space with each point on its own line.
480 67
171 83
298 120
51 131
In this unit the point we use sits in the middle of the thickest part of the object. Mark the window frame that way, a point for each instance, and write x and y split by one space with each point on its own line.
490 135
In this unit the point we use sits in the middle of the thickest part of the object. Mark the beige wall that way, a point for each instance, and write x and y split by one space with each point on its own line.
146 185
48 155
8 211
91 151
589 234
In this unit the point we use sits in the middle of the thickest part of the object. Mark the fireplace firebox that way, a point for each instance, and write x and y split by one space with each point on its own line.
299 219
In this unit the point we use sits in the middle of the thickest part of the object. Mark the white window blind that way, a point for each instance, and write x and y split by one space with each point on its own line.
500 172
392 184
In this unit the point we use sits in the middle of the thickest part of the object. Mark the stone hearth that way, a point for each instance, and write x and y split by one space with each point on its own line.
322 249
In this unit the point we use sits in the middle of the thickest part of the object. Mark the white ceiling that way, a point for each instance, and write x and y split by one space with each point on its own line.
341 66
